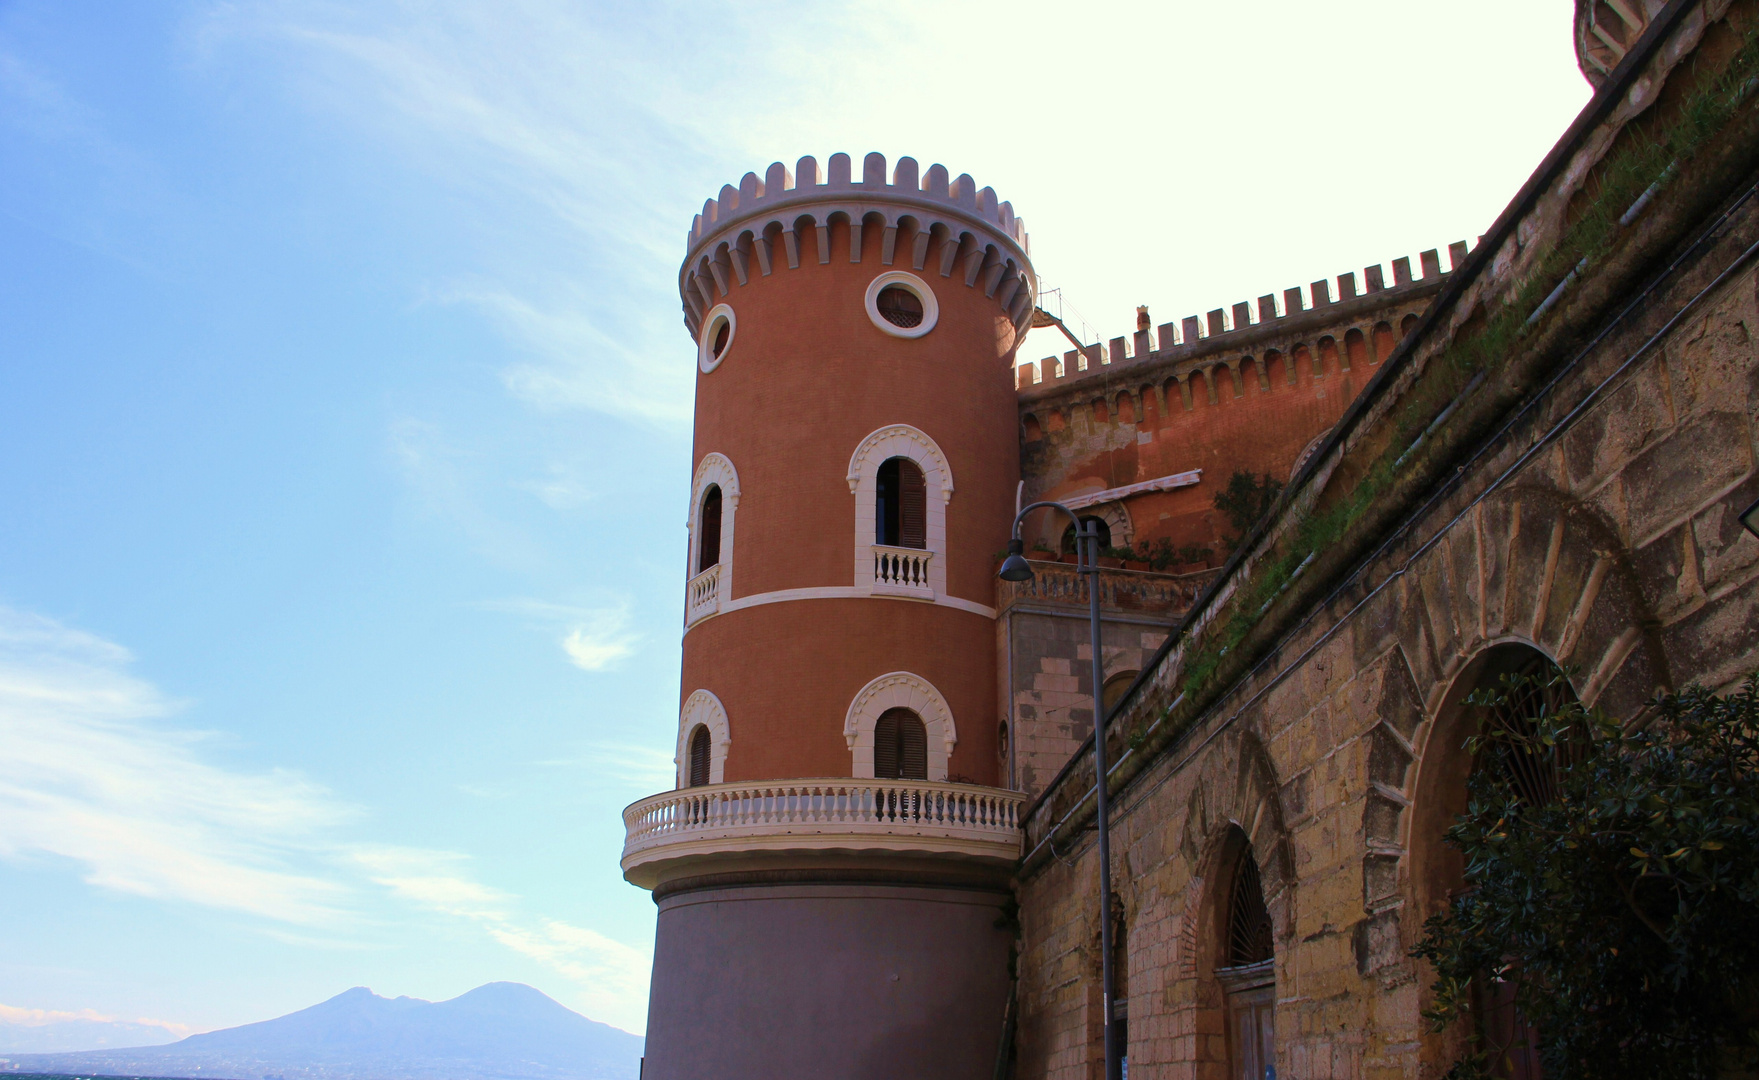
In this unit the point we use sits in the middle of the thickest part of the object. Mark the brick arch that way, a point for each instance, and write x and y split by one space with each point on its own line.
1529 567
1236 787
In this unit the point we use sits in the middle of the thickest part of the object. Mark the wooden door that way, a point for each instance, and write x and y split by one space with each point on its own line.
1252 1033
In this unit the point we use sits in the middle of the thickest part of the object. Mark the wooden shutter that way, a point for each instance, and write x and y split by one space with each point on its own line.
912 747
699 756
708 529
900 746
885 745
912 506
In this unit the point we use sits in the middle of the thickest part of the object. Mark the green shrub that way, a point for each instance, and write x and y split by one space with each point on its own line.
1626 910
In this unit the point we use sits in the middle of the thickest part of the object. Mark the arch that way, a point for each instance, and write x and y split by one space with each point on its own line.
702 709
1355 348
1114 686
697 764
1384 341
1440 794
708 540
1302 356
900 746
1406 325
709 583
1326 358
1233 814
1106 538
1275 361
900 504
1030 429
899 690
900 441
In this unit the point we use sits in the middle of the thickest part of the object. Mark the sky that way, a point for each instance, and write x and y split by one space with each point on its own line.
345 413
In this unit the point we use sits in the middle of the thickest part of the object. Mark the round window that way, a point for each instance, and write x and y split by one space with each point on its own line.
717 337
899 306
902 304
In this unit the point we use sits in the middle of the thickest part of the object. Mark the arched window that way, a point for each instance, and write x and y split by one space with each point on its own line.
699 756
900 746
704 737
1105 534
1114 688
901 484
714 506
882 725
1539 690
1248 949
708 545
901 505
1355 348
1437 872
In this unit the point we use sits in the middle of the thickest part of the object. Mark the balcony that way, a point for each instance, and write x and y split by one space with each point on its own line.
703 595
1059 585
904 817
902 571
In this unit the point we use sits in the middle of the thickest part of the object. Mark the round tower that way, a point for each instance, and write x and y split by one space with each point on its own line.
832 864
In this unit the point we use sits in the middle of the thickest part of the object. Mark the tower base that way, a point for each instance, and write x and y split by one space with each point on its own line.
815 974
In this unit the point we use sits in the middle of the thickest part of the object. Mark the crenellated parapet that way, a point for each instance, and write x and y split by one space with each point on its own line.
930 221
1233 352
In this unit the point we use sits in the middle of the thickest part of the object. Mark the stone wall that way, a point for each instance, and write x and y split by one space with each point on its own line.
1596 526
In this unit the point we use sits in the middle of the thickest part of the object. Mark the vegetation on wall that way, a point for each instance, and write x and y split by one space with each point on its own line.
1624 911
1247 498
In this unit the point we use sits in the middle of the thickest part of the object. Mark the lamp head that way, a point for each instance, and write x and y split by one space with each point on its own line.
1750 519
1015 567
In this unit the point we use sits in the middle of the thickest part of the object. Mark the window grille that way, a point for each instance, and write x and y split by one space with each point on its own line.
1249 931
900 746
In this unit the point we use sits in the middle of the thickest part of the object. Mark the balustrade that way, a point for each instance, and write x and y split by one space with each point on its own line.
703 595
902 570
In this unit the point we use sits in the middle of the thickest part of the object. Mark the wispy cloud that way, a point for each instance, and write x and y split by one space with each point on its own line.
18 1017
612 975
92 771
593 639
88 772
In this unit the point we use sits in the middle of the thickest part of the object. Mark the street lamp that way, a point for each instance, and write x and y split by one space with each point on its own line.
1016 568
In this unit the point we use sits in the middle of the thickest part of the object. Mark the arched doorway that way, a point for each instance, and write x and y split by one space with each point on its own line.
1530 685
1245 964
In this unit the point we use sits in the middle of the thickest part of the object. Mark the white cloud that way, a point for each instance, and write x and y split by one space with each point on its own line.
593 639
88 773
17 1017
613 977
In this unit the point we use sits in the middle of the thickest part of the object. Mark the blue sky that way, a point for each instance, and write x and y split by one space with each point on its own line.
344 413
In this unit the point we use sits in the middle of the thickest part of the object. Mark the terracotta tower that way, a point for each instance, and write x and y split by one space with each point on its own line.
832 865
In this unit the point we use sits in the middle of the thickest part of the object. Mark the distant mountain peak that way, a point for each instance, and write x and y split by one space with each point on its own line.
497 1031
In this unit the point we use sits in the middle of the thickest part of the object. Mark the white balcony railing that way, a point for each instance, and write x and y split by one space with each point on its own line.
703 595
874 815
902 571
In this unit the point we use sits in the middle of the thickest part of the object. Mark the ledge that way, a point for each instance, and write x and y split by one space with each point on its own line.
684 831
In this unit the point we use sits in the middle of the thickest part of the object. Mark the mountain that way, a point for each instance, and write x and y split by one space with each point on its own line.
500 1031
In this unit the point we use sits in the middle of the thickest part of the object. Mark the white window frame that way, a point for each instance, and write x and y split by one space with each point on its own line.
713 469
900 440
703 709
894 690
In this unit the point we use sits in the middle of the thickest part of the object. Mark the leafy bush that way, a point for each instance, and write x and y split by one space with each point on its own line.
1625 911
1163 555
1247 498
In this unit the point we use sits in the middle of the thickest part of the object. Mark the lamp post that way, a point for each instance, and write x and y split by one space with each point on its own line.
1016 568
